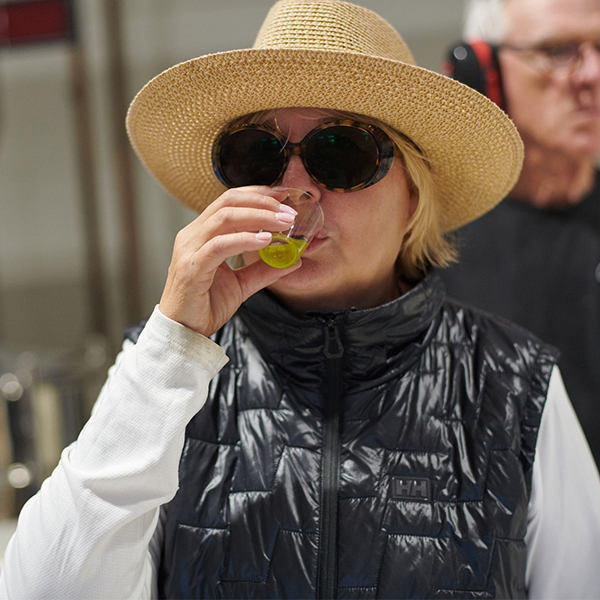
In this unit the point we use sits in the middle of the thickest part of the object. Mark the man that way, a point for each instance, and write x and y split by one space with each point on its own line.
535 259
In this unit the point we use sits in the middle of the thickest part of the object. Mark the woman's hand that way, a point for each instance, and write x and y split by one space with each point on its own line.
202 292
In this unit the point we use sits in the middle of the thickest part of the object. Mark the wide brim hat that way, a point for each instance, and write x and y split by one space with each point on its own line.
333 55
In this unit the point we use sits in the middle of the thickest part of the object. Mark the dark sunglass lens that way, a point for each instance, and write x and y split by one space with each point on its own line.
342 156
250 157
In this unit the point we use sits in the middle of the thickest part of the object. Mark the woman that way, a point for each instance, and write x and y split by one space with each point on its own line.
347 432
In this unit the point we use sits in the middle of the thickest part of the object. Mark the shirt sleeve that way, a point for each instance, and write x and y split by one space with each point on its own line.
563 536
87 532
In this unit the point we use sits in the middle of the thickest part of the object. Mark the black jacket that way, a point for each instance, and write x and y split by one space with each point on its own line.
383 453
541 269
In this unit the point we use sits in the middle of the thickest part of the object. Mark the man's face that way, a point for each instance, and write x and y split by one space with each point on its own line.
555 103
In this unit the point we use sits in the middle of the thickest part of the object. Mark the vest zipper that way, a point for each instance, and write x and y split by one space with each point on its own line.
327 566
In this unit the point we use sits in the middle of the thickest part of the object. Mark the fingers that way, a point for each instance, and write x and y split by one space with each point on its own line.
259 197
241 211
243 219
219 248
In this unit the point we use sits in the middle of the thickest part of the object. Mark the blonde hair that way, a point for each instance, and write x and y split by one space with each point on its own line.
424 245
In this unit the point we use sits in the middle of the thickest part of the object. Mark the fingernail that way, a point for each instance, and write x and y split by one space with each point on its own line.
289 209
264 236
286 217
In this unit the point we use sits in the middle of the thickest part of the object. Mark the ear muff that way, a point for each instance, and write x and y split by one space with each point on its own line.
476 65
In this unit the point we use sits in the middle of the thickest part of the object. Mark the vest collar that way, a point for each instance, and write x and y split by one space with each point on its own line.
376 342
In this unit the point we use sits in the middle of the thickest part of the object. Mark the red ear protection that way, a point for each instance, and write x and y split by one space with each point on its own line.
476 65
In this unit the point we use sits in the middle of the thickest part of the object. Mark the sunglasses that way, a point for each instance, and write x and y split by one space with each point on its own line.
340 156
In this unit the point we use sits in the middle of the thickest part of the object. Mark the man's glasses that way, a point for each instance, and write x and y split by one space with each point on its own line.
562 57
341 155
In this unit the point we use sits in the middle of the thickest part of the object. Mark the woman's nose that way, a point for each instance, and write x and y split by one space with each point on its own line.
296 176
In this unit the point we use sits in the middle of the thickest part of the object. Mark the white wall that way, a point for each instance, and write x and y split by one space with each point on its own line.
42 265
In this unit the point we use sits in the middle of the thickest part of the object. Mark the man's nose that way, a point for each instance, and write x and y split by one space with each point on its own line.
296 176
587 70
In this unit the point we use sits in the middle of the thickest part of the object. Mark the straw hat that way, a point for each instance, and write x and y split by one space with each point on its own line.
326 54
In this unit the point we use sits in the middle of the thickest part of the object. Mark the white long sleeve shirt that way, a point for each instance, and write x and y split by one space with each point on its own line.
91 532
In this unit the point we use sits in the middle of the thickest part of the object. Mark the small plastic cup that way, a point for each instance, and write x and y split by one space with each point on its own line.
287 247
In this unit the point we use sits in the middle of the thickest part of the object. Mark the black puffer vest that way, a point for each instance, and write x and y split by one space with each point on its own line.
382 453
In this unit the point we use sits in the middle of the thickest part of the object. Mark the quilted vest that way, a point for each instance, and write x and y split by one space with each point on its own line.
382 453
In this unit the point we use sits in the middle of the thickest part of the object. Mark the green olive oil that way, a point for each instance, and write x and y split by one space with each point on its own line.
283 252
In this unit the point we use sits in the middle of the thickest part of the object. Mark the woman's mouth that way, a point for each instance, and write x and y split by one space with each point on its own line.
316 243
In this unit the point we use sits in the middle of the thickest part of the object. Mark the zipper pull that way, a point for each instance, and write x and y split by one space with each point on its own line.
333 343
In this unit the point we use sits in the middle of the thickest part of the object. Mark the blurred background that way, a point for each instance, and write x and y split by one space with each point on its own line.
85 233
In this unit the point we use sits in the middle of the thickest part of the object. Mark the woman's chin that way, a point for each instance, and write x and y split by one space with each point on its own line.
306 283
307 277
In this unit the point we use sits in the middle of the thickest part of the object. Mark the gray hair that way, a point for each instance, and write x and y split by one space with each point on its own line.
485 19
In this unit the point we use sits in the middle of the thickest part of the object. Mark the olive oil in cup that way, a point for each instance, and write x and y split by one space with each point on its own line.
287 247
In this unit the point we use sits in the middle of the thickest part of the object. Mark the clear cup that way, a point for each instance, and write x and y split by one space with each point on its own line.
287 247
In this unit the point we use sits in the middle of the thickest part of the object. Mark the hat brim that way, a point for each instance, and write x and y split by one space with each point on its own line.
474 148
